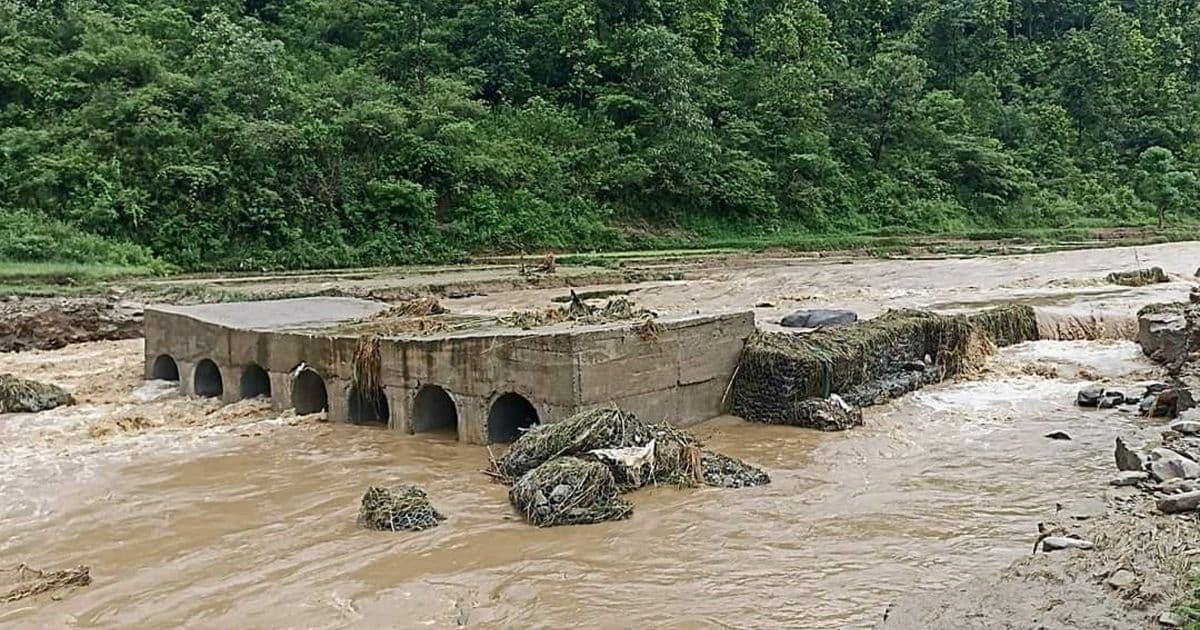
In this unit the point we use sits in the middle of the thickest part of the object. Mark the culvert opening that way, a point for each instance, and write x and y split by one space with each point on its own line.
308 393
510 413
164 368
255 382
370 407
434 411
208 379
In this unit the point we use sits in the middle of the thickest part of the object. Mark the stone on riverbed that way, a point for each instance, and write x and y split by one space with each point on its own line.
1057 543
818 318
19 395
1167 464
1130 478
1098 397
1186 427
1179 503
1127 458
1058 435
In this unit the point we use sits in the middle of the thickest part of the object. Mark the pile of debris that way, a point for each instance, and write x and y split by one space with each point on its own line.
574 471
29 582
1138 277
577 310
865 363
403 508
18 395
416 316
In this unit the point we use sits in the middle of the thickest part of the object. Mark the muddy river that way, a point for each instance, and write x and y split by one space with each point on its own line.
191 514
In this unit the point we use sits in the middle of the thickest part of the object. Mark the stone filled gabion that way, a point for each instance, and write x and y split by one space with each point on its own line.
867 362
569 491
826 414
400 508
723 471
21 395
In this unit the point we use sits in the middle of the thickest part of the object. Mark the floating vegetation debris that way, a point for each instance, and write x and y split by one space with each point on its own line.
367 366
555 468
19 395
867 362
402 508
29 582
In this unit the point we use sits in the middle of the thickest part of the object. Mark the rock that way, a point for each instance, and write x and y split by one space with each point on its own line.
1177 485
818 318
1058 435
1096 396
1122 579
1163 336
1178 503
19 395
1056 543
1167 464
1138 277
1186 427
1166 404
1130 478
1171 620
1127 458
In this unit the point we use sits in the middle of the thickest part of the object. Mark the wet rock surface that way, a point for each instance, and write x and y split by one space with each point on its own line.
1138 277
19 395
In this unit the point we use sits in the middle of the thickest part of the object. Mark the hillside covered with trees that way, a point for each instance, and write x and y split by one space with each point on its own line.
285 133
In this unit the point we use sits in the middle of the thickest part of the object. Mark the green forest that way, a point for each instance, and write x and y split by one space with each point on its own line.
238 134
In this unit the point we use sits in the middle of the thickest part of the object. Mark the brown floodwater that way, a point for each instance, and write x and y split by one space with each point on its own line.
191 514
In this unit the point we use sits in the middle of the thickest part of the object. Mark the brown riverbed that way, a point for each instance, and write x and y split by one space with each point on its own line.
192 514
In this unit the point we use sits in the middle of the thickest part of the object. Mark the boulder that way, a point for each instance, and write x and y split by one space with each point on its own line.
1058 435
818 318
1130 478
1127 458
1098 397
1178 503
19 395
1163 336
1178 485
1168 403
1167 464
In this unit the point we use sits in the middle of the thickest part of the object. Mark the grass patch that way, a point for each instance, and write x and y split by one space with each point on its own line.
30 275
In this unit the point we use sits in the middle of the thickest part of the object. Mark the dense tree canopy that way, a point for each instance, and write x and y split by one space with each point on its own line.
254 133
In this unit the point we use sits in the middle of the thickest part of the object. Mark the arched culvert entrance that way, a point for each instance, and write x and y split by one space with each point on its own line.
255 382
207 379
510 413
370 407
434 410
308 393
164 368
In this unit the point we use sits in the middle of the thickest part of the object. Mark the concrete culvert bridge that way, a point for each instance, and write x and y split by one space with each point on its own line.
207 380
434 410
510 413
369 407
164 368
308 393
255 382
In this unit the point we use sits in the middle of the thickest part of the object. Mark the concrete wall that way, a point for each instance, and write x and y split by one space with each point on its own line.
678 374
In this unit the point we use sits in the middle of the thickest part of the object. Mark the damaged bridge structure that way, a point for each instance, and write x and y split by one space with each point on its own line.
483 383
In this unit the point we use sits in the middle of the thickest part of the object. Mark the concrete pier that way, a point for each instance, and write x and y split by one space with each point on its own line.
483 384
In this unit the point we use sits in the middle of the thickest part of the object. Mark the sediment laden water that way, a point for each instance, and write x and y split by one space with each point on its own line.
193 514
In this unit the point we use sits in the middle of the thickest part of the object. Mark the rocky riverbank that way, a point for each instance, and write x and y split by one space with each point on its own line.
1125 562
29 323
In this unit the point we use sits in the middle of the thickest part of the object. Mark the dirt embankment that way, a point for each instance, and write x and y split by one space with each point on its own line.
48 323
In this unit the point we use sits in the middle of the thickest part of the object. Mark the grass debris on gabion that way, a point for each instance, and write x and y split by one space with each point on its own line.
19 395
866 362
826 414
1007 325
400 508
569 491
1138 277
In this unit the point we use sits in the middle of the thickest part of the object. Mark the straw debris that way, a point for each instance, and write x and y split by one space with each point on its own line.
569 491
368 366
30 582
19 395
401 508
